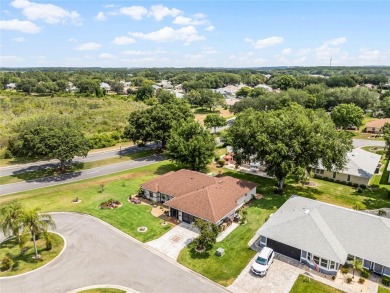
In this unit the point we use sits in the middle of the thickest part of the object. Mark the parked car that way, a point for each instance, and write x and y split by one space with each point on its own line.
263 261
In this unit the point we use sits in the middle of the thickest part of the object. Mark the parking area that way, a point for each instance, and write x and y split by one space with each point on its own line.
279 279
172 242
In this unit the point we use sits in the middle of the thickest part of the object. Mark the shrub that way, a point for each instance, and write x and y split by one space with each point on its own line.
382 213
361 280
337 181
344 270
349 183
331 179
359 190
221 162
388 194
349 280
344 182
362 186
386 281
365 273
359 206
216 159
333 277
355 185
5 264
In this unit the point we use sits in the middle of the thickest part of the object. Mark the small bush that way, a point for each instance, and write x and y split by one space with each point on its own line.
349 183
355 185
361 280
216 159
382 213
388 194
386 281
221 162
344 270
362 186
359 206
5 264
365 273
337 181
359 190
333 277
349 280
344 182
331 179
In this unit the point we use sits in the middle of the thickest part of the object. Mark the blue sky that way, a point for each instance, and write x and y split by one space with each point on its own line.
193 33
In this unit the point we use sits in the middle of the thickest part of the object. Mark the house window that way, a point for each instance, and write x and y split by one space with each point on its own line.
332 265
322 172
316 259
308 256
350 257
304 254
348 178
334 175
324 263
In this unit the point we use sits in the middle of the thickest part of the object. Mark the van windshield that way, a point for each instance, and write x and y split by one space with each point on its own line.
261 261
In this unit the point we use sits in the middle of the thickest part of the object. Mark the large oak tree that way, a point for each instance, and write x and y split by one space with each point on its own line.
289 140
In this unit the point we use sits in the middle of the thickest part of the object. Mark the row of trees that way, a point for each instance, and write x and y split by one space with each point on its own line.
18 222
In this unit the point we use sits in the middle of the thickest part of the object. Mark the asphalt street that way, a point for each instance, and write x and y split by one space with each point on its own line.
365 142
80 175
95 156
98 254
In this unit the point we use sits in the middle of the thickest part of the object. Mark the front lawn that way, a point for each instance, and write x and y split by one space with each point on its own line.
117 186
304 284
22 263
383 289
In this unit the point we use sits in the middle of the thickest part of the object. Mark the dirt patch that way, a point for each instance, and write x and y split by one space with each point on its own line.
311 184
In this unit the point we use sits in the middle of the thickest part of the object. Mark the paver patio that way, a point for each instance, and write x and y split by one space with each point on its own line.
172 242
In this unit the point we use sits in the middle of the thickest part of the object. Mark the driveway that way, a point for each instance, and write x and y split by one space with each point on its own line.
172 242
97 254
280 278
357 143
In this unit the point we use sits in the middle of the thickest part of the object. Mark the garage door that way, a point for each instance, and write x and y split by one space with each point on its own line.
284 249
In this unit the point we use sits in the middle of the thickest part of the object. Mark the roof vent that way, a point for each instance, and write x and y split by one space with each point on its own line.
307 212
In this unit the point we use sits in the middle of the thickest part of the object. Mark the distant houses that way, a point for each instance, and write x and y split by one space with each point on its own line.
376 126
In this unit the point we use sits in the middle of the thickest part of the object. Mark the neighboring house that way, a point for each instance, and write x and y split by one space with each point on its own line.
376 126
190 195
266 87
10 86
105 86
361 166
325 236
229 92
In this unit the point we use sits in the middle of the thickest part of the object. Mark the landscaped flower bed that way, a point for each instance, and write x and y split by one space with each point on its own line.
110 204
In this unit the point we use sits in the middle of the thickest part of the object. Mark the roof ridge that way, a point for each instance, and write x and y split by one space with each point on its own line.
211 202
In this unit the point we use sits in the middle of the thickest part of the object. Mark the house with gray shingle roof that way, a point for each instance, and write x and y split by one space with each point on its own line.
361 166
325 236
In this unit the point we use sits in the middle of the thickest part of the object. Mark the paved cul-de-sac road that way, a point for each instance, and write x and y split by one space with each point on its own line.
98 254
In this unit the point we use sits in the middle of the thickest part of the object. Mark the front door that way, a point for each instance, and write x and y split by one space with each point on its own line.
378 268
174 213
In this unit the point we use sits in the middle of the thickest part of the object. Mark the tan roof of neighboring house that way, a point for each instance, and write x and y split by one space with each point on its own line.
203 196
378 123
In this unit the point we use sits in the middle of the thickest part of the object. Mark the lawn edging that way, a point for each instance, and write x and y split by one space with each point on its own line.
104 286
51 261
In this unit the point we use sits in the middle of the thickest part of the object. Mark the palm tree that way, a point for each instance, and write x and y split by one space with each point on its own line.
37 223
12 219
356 265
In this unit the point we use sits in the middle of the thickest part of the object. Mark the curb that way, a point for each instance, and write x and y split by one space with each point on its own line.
129 290
34 270
151 249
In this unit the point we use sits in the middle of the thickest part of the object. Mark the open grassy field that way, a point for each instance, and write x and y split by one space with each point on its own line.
25 263
304 284
200 114
73 168
117 186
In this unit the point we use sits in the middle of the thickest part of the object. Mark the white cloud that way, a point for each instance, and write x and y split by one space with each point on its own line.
143 53
199 15
303 52
286 51
19 39
181 20
209 51
264 43
329 49
107 56
187 34
100 16
10 61
88 46
72 40
135 12
20 25
49 13
374 57
123 40
210 28
158 12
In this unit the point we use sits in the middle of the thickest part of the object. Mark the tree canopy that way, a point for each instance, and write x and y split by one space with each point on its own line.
191 145
155 123
288 141
214 120
50 138
347 115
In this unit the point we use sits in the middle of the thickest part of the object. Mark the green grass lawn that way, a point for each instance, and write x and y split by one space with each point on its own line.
303 284
102 290
117 186
383 289
75 167
26 262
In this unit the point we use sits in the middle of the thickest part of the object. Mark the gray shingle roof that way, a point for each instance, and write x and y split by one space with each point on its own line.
360 163
330 231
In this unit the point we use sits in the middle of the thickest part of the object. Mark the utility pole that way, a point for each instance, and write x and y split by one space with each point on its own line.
330 62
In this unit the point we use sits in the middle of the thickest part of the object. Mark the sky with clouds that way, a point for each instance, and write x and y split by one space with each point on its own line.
198 33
